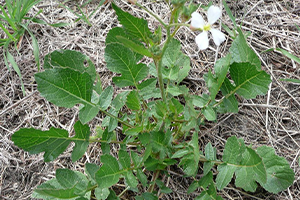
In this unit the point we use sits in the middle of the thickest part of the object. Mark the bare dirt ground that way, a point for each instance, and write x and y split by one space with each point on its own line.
273 119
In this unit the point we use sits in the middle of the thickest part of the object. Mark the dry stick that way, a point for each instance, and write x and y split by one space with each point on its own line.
18 102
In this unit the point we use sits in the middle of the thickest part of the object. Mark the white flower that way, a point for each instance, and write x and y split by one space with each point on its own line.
213 14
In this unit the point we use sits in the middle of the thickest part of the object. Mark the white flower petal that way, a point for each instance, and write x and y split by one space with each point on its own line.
218 36
202 40
213 14
197 20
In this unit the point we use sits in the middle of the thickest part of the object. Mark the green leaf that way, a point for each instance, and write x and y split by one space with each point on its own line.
190 162
241 52
192 187
209 113
251 169
206 180
88 112
134 26
70 59
279 174
105 97
131 179
122 60
90 170
68 179
142 177
101 193
51 190
210 152
214 82
290 80
162 187
65 87
229 13
249 82
148 89
133 101
285 53
225 175
106 138
180 153
124 159
134 47
109 172
161 142
52 142
229 104
178 64
244 162
82 134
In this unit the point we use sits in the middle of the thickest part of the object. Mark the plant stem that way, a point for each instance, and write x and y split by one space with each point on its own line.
118 119
152 14
155 176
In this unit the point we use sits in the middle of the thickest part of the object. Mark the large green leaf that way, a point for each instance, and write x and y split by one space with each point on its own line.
65 87
134 26
70 59
53 142
279 174
68 179
251 169
68 184
249 82
109 172
244 162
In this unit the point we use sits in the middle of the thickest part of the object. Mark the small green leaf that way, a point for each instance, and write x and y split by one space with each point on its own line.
133 101
209 113
82 134
163 188
241 52
192 187
65 87
290 80
142 177
229 104
210 152
124 159
122 60
134 26
134 47
105 97
101 193
180 153
106 138
109 172
131 179
279 174
206 180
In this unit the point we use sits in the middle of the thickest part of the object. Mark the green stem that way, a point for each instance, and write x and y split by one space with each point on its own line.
152 14
118 119
155 176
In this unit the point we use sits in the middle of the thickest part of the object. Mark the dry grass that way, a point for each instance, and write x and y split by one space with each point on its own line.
273 119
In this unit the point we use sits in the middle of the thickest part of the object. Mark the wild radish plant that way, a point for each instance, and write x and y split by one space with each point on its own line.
160 127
